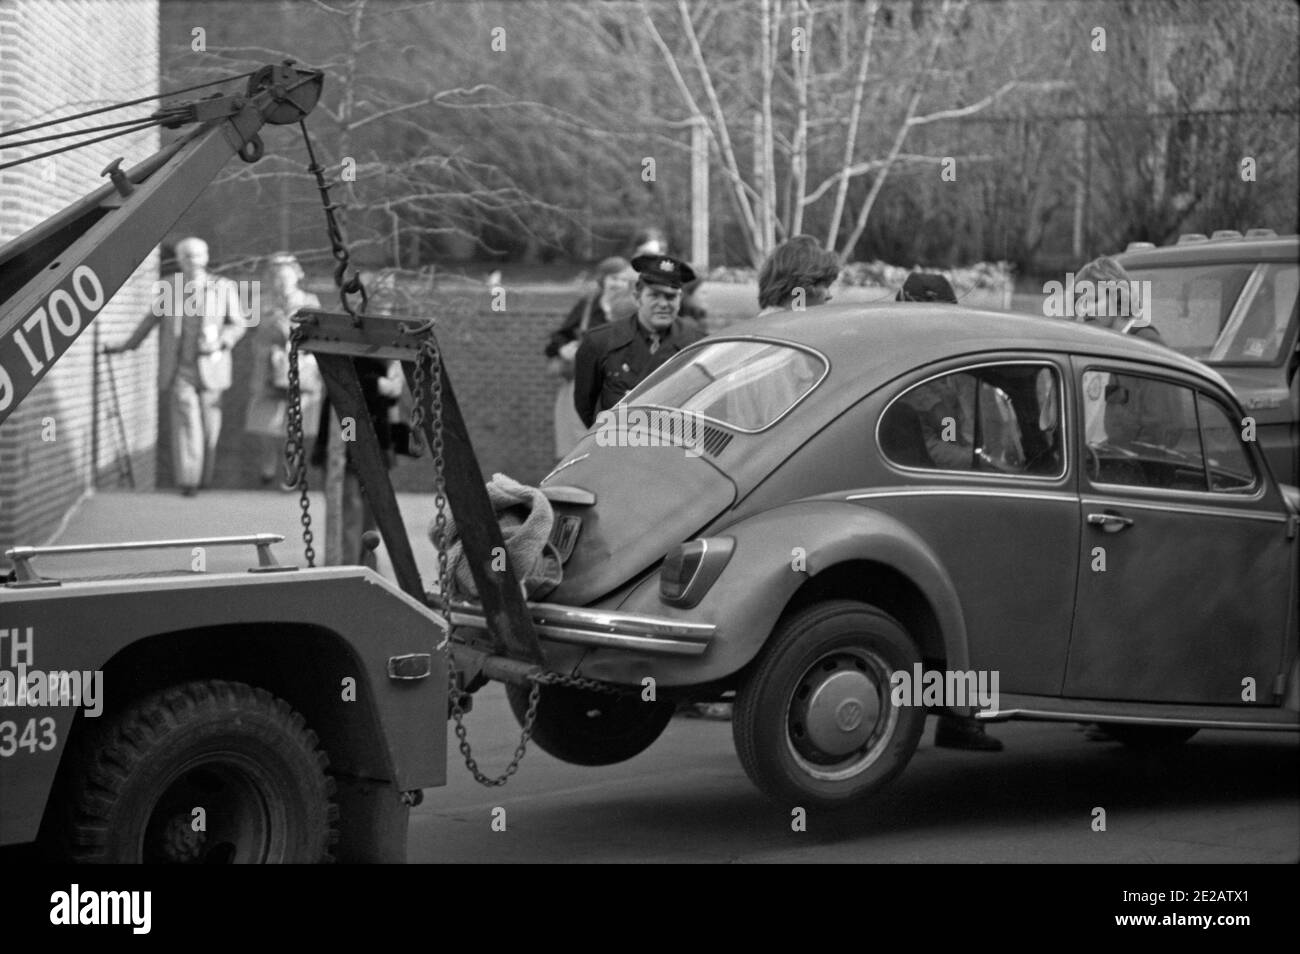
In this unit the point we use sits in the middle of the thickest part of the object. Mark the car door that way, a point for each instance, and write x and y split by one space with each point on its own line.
975 461
1187 575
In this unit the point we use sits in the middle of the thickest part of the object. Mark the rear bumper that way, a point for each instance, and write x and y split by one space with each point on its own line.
604 629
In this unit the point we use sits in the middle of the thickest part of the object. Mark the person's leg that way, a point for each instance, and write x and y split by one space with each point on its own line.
187 436
270 453
353 519
211 401
956 732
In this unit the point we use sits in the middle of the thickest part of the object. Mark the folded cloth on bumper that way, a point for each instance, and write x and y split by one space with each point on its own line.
525 517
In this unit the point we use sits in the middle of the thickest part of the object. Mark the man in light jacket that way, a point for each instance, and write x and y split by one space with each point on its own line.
199 321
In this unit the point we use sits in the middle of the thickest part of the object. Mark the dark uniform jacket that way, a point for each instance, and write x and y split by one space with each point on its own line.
615 358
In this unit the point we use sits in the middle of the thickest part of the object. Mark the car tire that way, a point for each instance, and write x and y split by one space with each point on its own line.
813 723
591 728
132 790
1150 736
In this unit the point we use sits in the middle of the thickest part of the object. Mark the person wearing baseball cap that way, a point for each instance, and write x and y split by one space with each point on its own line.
615 358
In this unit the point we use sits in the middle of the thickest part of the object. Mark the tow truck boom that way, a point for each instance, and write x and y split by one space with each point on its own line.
56 277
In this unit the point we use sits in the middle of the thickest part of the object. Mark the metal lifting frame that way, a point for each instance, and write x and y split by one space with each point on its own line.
335 339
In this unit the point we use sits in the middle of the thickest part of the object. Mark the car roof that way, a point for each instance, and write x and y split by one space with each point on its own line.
1284 248
880 341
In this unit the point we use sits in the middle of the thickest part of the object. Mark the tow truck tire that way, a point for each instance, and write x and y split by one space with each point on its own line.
208 772
582 727
814 723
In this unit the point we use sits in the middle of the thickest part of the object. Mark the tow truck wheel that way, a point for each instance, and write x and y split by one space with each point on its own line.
813 721
591 728
207 772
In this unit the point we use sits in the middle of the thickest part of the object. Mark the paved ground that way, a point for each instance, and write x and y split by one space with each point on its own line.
1223 797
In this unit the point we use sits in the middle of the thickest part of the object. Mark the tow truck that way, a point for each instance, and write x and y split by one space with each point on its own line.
289 713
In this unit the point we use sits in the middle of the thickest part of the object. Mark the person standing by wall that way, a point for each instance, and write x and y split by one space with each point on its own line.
196 335
269 382
611 300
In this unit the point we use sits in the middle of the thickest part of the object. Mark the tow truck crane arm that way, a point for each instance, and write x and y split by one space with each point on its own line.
56 277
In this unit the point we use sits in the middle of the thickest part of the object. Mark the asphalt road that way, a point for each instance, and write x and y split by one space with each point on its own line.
1222 797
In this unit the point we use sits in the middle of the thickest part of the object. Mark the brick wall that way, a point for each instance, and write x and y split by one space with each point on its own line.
58 57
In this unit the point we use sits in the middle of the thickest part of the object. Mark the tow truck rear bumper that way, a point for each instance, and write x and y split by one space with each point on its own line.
603 628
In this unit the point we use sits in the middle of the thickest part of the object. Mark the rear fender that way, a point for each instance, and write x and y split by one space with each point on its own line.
777 553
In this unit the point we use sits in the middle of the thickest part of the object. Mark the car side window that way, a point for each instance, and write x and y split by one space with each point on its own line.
1228 463
1141 432
995 419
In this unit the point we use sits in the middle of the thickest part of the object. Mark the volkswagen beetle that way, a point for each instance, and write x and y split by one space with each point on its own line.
855 516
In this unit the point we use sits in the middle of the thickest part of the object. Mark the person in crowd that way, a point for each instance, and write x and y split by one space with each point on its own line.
798 274
1096 307
692 310
615 358
927 286
950 398
269 382
196 336
612 300
649 241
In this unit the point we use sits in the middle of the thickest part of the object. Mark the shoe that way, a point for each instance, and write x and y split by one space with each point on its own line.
964 734
189 491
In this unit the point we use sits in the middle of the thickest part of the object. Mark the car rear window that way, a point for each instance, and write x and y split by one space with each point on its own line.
747 385
1224 314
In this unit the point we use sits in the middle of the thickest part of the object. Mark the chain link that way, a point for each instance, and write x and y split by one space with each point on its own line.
295 447
427 378
338 244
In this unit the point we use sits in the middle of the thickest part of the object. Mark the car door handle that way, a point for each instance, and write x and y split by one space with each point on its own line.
1110 522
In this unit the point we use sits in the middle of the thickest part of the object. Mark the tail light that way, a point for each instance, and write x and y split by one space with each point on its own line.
691 568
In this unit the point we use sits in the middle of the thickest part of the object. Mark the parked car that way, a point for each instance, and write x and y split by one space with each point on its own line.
880 492
1230 300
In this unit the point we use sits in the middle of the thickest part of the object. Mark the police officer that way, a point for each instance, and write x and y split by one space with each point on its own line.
615 358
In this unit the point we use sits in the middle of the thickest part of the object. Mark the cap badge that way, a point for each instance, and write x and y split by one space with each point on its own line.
665 266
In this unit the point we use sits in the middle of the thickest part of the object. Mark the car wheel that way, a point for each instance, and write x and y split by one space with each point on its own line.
207 772
813 723
591 728
1150 736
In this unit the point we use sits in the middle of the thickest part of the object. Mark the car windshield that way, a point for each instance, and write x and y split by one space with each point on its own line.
1236 313
745 384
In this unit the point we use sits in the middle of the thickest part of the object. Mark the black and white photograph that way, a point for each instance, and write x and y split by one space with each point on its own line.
473 432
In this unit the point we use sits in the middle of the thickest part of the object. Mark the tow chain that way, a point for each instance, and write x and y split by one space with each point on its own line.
295 447
427 377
